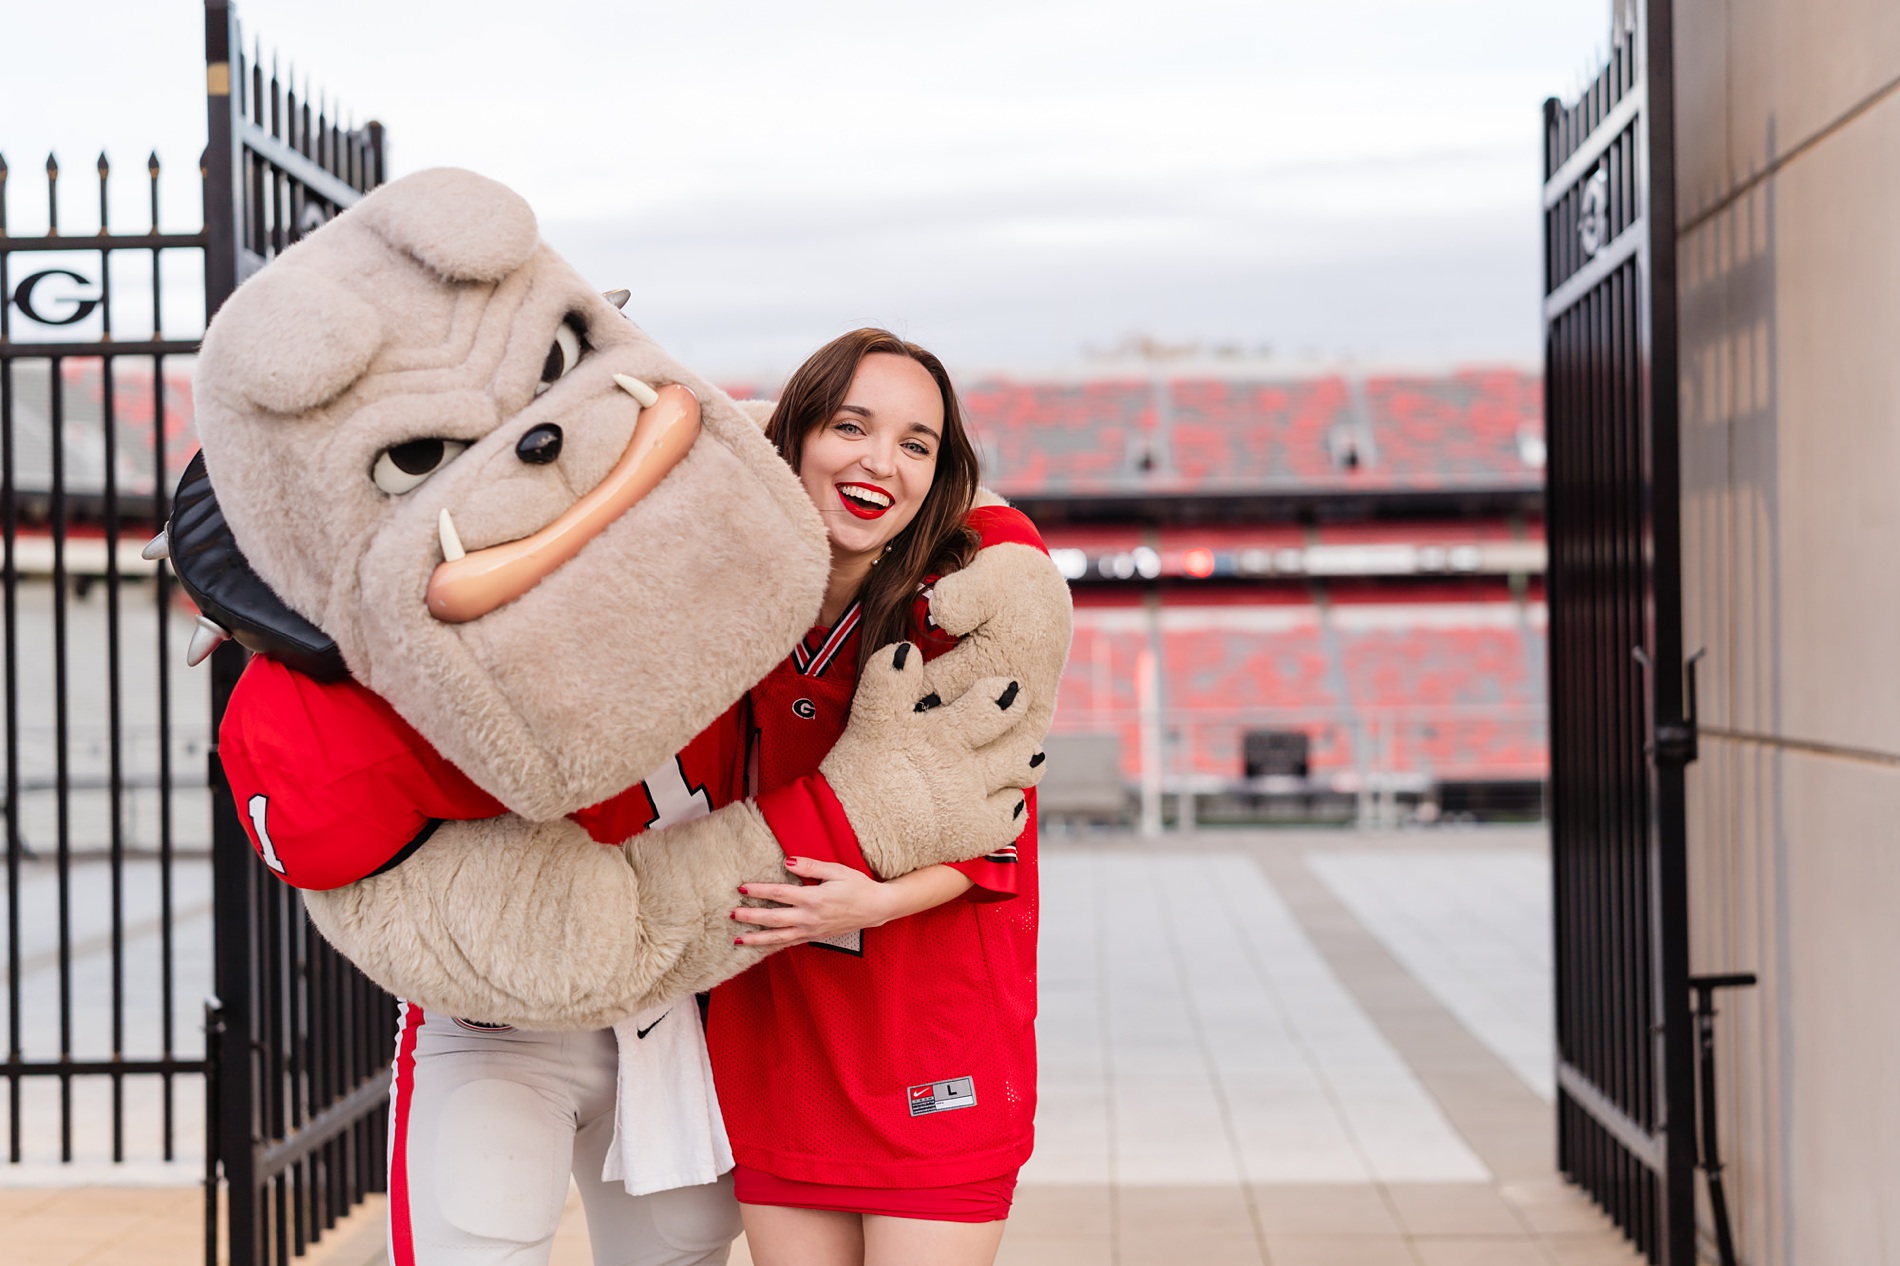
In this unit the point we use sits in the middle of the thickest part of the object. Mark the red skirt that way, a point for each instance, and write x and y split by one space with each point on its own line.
985 1200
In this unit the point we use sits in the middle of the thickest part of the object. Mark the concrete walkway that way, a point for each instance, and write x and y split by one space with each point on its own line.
1269 1048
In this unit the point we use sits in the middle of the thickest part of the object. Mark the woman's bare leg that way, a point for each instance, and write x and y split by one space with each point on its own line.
781 1236
917 1242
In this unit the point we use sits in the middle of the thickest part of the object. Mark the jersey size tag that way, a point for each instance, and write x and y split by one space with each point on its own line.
941 1096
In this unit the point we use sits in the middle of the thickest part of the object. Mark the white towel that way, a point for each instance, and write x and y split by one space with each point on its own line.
667 1128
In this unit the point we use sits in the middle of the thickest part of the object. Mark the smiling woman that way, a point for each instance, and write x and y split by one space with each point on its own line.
871 1121
872 427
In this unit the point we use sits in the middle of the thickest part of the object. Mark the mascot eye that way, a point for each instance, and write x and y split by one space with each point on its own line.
562 356
404 466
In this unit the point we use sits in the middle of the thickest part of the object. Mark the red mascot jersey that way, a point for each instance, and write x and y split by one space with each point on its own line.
334 786
902 1055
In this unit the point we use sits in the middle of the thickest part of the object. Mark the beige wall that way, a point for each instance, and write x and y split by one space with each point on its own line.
1788 144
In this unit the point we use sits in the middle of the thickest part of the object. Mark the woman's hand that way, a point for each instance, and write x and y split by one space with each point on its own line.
838 900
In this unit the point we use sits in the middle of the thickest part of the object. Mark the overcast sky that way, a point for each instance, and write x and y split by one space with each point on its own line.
1021 186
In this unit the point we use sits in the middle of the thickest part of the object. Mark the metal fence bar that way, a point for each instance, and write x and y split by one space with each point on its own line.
9 526
162 670
115 718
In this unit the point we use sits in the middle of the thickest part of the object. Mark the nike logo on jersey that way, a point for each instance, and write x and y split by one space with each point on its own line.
942 1096
642 1033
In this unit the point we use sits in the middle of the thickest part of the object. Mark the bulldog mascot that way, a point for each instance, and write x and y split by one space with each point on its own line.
503 558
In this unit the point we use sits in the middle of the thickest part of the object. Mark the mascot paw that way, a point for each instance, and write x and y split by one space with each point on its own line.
1011 609
927 780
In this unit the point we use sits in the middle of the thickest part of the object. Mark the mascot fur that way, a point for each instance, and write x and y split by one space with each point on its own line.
558 628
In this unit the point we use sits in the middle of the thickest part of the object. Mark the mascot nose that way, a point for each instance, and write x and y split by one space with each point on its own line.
540 446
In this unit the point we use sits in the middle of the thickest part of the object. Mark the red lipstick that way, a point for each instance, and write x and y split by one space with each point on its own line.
864 504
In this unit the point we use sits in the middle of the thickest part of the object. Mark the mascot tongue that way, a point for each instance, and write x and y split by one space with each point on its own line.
466 586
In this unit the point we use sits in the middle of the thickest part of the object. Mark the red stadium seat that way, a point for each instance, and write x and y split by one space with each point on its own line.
1446 691
1221 434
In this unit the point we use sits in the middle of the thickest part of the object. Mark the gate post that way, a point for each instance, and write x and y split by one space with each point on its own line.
299 1067
232 1085
1670 831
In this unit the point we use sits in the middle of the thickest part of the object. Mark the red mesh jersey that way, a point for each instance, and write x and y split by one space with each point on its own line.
900 1056
329 782
332 785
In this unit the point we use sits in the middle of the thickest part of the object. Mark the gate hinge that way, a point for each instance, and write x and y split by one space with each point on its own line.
1673 742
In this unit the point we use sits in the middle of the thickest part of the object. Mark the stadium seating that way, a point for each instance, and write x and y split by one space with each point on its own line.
1075 438
1253 434
1448 691
1221 434
1428 668
1458 430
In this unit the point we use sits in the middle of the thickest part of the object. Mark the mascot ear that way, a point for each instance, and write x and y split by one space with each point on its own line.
760 411
217 576
492 233
290 340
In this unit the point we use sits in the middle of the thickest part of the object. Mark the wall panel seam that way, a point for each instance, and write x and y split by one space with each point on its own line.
1808 747
1809 142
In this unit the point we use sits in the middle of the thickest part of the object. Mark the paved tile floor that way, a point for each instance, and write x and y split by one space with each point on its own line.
1271 1048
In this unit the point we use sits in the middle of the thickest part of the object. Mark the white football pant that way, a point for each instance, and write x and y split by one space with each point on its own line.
486 1126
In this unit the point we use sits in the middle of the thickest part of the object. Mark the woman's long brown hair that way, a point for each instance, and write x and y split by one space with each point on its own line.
938 541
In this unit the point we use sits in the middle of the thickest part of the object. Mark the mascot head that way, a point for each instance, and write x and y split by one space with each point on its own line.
557 552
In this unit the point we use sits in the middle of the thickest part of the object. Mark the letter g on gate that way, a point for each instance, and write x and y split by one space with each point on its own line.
81 307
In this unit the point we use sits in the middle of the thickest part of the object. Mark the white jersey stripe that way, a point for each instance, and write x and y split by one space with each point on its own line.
813 663
835 643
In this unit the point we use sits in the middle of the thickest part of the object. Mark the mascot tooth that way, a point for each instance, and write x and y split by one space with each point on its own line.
447 468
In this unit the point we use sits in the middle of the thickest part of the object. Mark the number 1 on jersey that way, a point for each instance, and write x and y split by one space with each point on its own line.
673 801
257 806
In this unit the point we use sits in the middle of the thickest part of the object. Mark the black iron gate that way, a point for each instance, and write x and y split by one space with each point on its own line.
129 883
300 1058
92 403
1620 737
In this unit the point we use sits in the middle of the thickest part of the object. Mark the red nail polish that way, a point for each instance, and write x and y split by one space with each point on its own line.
743 892
791 861
737 940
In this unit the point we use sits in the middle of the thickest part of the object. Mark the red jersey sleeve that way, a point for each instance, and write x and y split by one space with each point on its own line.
1004 525
809 822
993 877
331 785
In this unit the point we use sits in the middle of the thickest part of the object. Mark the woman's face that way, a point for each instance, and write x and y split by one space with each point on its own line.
869 466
